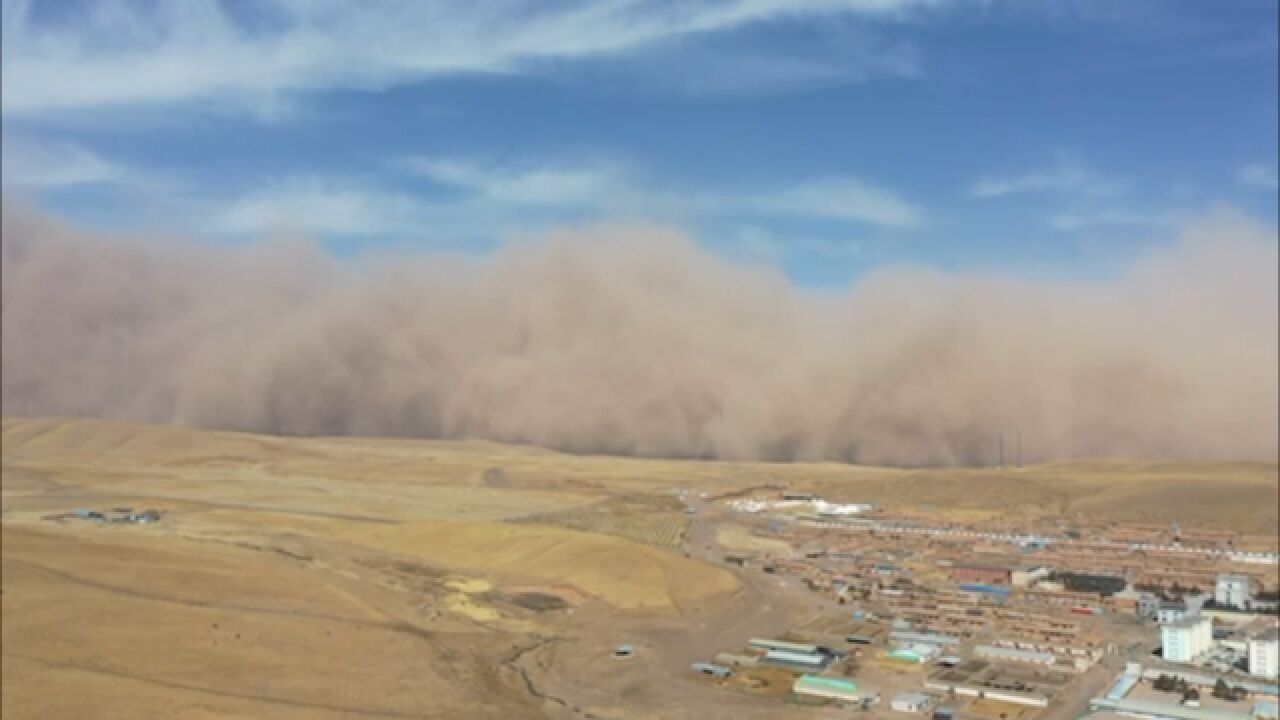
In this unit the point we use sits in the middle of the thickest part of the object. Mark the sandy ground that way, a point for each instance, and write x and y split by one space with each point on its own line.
1237 496
317 578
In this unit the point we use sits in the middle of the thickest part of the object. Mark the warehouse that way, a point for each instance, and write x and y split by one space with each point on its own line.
907 637
769 644
982 572
992 652
832 689
798 660
1164 710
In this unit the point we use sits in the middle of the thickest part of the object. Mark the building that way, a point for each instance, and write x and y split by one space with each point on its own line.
1266 602
906 637
771 644
982 572
1186 640
1027 575
816 661
1171 611
1160 710
707 668
1233 590
1264 654
1126 601
1148 605
915 652
993 652
910 702
1207 682
832 689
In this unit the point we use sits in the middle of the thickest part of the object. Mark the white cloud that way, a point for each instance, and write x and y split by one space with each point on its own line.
521 185
1258 175
321 206
604 186
845 198
1067 177
120 54
29 163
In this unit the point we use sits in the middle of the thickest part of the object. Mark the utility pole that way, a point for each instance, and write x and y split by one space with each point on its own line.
1001 451
1018 445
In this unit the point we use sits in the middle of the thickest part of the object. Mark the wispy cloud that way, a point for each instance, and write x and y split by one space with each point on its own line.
321 206
1258 175
521 185
1067 176
605 186
116 53
844 198
31 163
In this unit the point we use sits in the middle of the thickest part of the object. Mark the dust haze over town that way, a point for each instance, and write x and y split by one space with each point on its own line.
1173 359
640 360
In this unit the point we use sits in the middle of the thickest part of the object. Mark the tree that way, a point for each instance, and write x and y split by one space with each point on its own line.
1220 689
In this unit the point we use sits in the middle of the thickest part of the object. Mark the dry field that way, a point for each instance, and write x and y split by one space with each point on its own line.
1240 496
736 538
313 578
652 519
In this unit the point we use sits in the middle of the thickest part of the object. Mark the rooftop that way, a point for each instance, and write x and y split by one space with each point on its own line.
1167 710
1188 622
833 683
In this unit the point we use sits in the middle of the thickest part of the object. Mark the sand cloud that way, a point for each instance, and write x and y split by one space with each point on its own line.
635 340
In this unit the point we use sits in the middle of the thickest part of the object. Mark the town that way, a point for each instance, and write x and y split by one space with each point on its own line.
1003 620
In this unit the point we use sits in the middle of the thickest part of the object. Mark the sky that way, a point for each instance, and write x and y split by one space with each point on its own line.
826 138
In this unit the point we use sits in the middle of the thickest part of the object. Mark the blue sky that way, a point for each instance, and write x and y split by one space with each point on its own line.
827 137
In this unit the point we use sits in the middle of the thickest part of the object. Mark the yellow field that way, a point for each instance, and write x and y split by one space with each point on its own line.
624 574
1240 496
345 577
660 530
736 538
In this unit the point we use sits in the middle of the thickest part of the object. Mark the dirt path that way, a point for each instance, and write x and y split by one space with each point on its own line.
577 671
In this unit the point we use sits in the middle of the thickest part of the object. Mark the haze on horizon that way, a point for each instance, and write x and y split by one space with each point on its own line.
632 340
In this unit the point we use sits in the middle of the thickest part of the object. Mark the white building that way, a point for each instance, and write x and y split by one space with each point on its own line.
1027 575
1264 654
910 702
1233 590
1171 611
1186 640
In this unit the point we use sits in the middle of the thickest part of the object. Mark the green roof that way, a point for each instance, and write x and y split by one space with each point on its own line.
834 683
